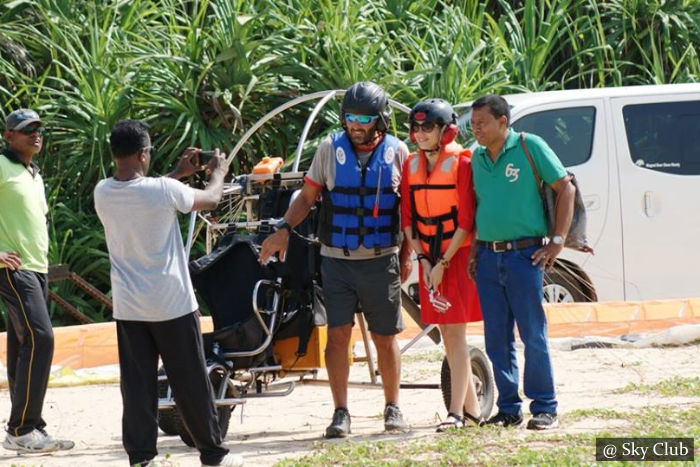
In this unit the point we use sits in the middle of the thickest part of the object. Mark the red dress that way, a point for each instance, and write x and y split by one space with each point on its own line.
456 286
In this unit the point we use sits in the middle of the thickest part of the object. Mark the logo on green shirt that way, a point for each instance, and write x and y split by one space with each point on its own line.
513 172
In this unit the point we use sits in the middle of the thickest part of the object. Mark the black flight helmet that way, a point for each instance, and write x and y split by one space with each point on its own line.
366 98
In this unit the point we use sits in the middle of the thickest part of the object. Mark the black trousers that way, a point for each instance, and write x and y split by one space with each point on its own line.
29 346
179 344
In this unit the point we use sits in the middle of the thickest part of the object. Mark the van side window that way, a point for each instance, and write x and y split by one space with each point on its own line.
664 136
569 131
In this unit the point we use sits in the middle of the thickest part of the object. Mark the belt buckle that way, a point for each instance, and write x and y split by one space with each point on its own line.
499 250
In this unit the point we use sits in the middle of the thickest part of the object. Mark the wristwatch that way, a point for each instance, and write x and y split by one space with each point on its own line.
558 240
283 224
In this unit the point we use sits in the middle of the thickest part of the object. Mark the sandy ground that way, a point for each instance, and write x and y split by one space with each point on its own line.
270 429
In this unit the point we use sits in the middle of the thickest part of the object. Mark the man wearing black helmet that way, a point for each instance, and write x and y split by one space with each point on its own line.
357 172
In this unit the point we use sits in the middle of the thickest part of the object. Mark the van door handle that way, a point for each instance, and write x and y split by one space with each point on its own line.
648 204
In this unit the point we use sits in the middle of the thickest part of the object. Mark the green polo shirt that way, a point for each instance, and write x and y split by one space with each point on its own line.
508 204
23 212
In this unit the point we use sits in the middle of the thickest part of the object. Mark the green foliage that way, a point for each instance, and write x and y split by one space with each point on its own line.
201 72
676 386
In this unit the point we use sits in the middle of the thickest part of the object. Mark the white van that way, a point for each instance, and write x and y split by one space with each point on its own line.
636 154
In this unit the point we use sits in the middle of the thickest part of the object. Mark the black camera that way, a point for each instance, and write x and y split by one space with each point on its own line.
202 158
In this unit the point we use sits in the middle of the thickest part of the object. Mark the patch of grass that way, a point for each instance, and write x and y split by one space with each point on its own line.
431 356
354 454
676 386
667 421
607 414
497 446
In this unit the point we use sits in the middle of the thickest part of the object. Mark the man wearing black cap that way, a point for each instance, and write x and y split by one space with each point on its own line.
24 247
357 172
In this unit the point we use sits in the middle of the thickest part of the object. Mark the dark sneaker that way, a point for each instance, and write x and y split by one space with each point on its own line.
393 418
340 426
543 421
505 419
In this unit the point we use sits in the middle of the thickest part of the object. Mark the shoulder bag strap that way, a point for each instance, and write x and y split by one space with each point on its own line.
532 164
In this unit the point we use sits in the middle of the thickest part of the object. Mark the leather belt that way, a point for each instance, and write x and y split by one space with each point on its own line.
502 247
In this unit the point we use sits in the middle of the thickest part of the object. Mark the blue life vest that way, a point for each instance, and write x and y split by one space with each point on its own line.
362 208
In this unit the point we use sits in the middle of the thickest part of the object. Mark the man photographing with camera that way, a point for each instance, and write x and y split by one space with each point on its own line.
154 303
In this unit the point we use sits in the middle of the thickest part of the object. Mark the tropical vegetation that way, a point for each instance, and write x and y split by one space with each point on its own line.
201 72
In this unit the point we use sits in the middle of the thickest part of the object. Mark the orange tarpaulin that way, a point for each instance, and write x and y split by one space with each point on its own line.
92 345
87 345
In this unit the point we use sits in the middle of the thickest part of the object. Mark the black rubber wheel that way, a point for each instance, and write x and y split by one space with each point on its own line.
223 411
560 286
168 419
483 380
171 419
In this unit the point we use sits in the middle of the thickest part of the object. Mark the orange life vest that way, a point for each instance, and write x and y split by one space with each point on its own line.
434 199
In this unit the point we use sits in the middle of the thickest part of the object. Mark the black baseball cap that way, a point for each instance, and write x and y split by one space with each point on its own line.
20 118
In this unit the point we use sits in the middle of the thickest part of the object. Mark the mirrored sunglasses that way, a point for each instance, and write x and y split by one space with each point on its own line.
31 130
425 127
363 119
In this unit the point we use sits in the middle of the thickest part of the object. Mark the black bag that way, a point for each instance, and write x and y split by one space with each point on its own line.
576 237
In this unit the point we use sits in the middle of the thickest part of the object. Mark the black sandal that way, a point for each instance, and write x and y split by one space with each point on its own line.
481 421
452 421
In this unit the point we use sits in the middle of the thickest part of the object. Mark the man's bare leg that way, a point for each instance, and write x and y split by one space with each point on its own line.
389 363
337 363
338 369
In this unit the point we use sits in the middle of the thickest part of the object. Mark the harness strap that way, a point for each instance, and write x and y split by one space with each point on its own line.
363 230
362 190
428 186
436 220
360 211
429 238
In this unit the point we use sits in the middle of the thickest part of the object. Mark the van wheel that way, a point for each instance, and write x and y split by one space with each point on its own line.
561 286
483 381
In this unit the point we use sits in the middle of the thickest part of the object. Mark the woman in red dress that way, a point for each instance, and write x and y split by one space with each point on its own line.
437 212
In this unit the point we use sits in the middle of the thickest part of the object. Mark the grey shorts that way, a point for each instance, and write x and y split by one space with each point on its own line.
372 284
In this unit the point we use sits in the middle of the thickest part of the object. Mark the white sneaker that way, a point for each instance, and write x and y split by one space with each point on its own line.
63 444
229 460
34 441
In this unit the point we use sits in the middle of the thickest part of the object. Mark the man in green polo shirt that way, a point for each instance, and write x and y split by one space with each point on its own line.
512 252
24 247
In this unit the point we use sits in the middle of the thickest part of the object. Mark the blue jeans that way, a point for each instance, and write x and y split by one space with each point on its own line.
510 292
